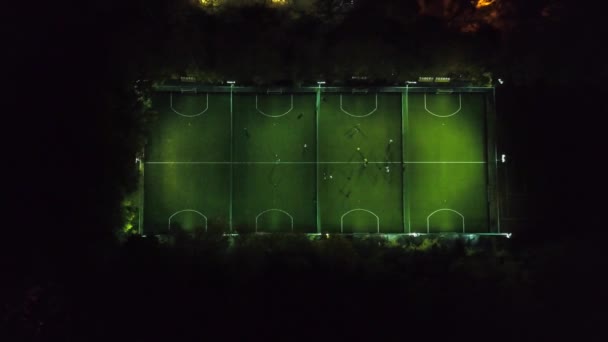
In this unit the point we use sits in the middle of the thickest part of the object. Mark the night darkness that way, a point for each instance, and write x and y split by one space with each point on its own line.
74 123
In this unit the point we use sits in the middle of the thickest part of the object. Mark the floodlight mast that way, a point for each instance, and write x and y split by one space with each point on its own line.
230 214
317 112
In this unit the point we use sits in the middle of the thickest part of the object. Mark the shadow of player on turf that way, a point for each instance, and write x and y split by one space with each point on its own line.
354 131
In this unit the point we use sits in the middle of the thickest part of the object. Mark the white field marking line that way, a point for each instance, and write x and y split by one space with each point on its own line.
273 209
445 116
187 115
273 116
314 162
359 116
191 211
359 209
438 210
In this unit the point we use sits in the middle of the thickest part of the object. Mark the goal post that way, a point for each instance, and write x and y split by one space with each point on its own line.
275 91
188 91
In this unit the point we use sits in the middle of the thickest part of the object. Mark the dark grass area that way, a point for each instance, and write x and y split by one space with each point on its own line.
277 287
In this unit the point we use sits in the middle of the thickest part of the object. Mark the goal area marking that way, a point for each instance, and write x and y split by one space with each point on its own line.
188 115
190 211
359 209
428 218
270 115
269 210
444 116
359 116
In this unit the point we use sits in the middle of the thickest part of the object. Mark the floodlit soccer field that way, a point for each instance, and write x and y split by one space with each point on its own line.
321 160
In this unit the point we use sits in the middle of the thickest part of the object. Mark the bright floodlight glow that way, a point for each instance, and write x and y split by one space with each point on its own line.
508 235
411 82
484 3
230 82
503 158
320 82
501 81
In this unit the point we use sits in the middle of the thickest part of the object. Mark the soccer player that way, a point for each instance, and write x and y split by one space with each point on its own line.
360 153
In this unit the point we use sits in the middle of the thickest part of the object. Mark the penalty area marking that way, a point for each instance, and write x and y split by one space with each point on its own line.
273 116
190 211
428 218
359 209
359 116
445 116
187 115
273 209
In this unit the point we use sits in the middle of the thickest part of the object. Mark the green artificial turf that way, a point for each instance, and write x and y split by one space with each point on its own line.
426 164
446 166
359 198
283 184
